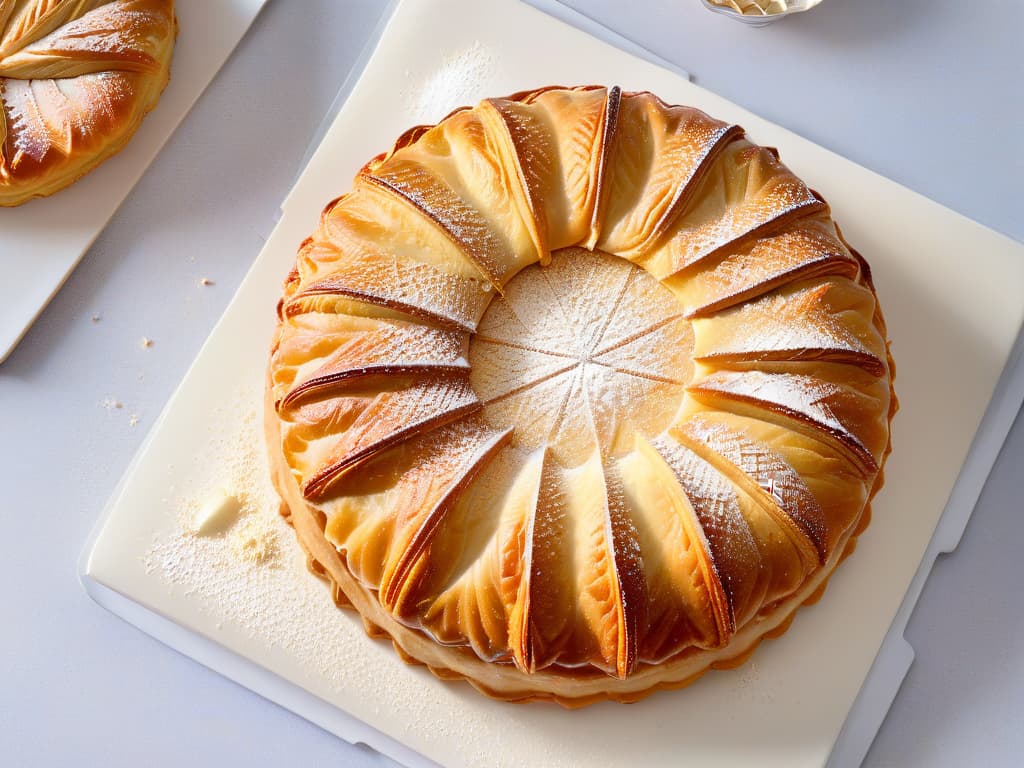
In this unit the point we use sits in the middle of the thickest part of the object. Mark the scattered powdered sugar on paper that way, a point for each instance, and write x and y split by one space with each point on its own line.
252 575
454 84
254 539
233 465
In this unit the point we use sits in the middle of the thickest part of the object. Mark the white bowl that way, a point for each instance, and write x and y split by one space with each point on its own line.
793 6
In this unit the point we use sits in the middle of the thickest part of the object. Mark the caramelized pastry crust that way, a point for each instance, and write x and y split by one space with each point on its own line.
577 395
76 79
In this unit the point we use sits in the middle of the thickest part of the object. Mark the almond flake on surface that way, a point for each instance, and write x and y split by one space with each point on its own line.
217 514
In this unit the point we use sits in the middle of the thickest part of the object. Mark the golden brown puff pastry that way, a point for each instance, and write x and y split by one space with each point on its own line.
576 395
76 79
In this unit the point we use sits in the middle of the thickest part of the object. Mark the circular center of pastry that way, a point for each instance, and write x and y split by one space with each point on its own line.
580 355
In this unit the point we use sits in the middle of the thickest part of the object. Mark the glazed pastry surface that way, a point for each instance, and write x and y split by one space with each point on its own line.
76 79
578 394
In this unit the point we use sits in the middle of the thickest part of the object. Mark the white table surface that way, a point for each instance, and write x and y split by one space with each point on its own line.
924 92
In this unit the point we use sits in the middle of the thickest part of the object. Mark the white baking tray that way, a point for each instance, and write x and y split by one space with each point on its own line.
951 292
42 241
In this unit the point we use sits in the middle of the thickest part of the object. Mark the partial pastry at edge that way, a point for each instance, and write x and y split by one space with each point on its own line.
76 80
577 395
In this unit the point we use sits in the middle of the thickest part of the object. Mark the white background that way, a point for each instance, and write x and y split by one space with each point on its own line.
926 92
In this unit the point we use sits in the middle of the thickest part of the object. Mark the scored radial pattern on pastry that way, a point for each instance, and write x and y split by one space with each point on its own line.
577 394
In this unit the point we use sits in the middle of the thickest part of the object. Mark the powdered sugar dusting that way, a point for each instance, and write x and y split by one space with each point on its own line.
393 348
786 324
28 135
232 484
459 79
57 116
66 71
652 171
464 222
288 611
111 37
254 540
804 395
275 599
409 286
769 470
812 249
745 190
731 544
691 245
231 565
553 360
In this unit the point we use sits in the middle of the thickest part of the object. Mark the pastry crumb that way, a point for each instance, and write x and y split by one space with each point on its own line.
254 540
205 281
96 318
146 342
133 420
112 403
